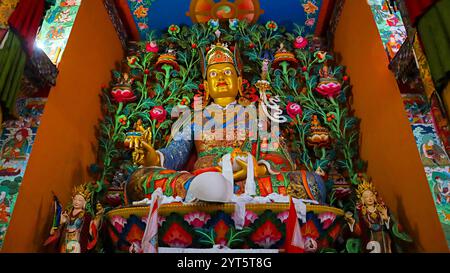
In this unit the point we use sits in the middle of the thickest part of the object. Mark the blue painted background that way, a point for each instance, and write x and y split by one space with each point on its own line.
163 13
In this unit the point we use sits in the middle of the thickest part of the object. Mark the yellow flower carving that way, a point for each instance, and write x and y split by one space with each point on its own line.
310 8
141 12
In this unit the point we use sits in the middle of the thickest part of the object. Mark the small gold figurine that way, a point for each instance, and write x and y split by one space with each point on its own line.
136 140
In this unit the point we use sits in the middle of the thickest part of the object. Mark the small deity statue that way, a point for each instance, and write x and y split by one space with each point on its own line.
374 225
282 49
125 79
265 69
324 72
267 58
75 230
254 169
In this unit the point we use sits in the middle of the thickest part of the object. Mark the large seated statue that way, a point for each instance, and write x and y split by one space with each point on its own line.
238 150
256 169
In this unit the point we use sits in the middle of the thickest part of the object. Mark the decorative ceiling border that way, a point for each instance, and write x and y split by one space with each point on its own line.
117 22
334 21
139 10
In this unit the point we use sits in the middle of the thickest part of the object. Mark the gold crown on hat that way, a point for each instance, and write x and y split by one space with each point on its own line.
364 186
82 190
219 53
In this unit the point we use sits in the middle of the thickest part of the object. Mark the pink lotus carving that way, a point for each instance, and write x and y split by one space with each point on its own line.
329 89
283 216
250 217
326 219
197 219
118 222
161 220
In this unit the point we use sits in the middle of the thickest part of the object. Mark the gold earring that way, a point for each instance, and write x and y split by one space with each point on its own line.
206 95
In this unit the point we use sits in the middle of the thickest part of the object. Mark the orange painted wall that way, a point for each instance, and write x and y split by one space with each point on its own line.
387 140
65 143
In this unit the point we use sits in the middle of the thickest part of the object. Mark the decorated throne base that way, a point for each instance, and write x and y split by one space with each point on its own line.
206 225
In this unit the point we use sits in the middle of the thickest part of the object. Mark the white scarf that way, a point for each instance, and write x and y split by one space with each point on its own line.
227 172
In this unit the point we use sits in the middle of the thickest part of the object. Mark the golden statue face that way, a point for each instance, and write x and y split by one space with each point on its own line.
222 81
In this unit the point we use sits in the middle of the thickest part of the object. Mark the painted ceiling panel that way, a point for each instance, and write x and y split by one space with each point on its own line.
159 14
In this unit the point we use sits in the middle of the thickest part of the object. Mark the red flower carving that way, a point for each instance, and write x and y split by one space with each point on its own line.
329 89
176 236
221 230
122 94
266 235
294 110
300 42
158 113
310 230
151 47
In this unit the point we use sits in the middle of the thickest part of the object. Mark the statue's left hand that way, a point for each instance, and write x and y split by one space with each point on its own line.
242 173
151 158
384 212
260 170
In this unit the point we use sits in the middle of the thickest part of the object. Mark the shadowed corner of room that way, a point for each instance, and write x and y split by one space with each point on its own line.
412 231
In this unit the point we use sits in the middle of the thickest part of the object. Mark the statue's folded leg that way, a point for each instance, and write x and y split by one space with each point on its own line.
144 181
298 184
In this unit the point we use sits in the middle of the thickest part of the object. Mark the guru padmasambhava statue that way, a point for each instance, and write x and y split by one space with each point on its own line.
267 170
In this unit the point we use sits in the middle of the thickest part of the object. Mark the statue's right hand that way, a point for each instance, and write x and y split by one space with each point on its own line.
151 157
64 217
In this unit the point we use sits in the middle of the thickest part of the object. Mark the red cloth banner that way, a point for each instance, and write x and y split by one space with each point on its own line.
417 8
25 21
